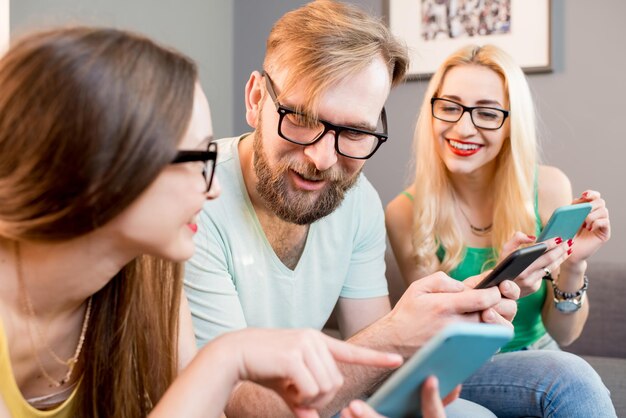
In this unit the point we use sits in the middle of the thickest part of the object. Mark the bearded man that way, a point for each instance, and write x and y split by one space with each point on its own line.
298 229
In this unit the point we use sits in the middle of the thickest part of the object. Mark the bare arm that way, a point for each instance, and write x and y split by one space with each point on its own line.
425 308
251 400
399 223
353 315
299 365
213 357
555 190
565 260
203 387
186 341
4 413
356 318
565 328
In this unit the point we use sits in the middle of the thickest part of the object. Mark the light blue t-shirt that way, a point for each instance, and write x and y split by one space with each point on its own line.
235 279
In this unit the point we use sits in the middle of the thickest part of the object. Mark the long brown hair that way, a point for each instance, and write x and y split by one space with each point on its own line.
88 119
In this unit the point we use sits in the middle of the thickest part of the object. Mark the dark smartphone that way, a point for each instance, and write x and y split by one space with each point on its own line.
513 265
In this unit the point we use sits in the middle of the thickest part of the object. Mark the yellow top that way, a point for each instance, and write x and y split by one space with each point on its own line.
12 397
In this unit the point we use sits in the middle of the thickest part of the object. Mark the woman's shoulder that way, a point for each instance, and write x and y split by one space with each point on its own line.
400 209
552 180
554 190
403 201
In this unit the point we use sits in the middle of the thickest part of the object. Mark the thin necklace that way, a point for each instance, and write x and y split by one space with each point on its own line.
481 232
32 323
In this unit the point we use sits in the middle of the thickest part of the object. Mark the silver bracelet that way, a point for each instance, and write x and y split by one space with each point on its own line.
568 295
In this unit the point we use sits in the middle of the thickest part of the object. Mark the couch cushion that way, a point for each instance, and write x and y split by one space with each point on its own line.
605 331
613 374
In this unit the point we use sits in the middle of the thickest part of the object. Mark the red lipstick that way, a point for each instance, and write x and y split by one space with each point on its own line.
463 148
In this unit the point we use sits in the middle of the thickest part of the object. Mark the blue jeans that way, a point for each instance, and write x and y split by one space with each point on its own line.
462 408
539 383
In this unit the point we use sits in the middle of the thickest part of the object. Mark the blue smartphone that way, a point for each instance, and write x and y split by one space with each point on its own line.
565 222
453 355
513 265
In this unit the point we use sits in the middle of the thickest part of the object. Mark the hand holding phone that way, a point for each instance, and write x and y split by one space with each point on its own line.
513 265
452 355
565 222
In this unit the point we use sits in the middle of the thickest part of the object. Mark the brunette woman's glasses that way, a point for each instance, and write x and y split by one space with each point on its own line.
208 157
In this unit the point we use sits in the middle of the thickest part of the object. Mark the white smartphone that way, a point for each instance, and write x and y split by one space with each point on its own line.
453 355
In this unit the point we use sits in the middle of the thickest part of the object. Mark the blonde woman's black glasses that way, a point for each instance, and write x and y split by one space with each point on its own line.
483 117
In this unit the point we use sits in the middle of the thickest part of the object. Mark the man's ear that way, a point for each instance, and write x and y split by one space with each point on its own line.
254 96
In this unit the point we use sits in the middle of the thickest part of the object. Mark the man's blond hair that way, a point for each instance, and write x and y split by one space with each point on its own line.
327 41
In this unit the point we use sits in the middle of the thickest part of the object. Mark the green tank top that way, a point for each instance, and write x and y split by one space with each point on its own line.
527 322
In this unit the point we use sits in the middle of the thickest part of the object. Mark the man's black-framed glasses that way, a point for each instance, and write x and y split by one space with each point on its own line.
301 129
208 157
483 117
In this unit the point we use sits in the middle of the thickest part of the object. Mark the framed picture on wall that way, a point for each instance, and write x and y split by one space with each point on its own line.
433 29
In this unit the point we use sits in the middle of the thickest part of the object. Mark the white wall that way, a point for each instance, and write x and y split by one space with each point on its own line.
201 29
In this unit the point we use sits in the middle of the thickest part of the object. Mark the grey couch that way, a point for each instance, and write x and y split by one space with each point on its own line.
603 341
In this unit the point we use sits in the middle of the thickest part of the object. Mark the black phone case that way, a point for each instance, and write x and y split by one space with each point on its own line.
513 265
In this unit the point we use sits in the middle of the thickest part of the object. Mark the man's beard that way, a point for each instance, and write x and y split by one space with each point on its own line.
299 207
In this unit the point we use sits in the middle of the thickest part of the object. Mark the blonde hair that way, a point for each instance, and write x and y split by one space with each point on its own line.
326 41
435 223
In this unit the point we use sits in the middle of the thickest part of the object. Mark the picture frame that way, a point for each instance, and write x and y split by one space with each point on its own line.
434 29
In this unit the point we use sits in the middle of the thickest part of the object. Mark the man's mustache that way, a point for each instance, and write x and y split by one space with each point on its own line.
310 172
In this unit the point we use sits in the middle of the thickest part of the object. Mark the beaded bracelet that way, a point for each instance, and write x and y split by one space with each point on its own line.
567 295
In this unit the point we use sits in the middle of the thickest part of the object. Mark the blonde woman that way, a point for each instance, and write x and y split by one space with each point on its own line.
479 193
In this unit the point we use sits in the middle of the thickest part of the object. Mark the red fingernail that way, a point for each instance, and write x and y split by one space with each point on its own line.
558 240
569 252
531 237
585 225
570 242
585 194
